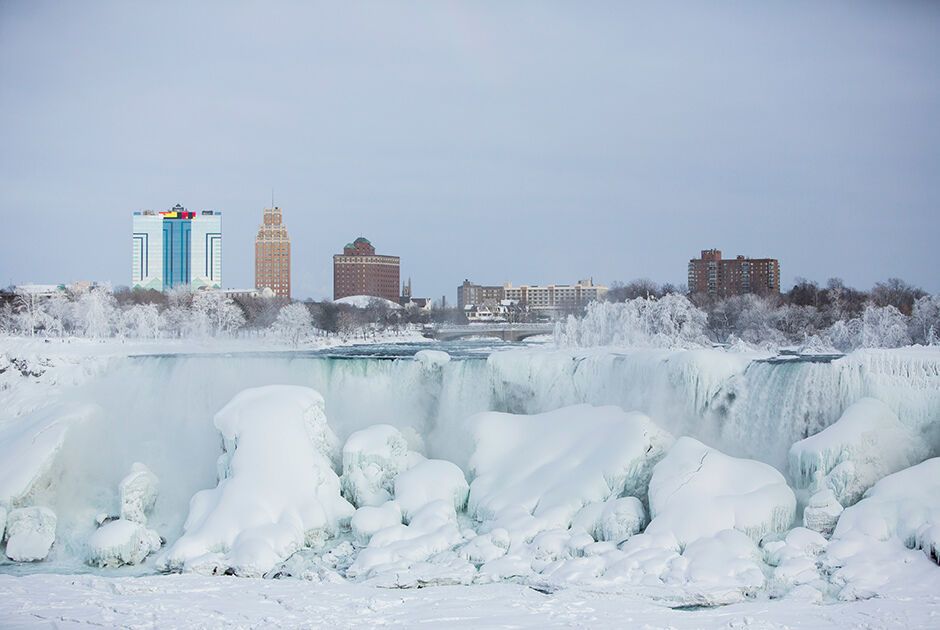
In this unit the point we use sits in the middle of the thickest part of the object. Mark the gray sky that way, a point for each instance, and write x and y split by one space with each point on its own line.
523 141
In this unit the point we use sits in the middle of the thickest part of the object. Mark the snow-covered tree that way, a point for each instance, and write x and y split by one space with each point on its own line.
672 321
293 322
30 314
95 312
925 320
220 313
142 321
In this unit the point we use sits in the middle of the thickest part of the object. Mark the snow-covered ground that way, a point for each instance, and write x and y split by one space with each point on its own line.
532 487
191 601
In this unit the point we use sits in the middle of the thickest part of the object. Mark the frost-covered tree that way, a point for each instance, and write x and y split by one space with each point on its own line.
95 312
672 321
219 312
925 320
143 321
30 314
293 322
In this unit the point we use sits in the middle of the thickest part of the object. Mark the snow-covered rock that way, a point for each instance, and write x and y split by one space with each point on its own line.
549 466
121 542
372 458
277 493
368 520
696 492
866 443
430 480
138 492
30 533
3 520
822 512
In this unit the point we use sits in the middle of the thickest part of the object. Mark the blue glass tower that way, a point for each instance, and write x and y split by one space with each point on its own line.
177 244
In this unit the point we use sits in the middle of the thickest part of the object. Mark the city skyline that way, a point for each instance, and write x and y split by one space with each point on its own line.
539 142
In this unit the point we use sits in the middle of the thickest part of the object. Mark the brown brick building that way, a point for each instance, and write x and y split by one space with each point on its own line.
360 271
711 275
272 254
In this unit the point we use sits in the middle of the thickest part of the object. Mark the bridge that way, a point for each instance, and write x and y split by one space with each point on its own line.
506 332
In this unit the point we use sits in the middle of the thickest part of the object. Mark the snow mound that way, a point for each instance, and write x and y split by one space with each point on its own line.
30 533
903 506
696 492
536 472
277 490
864 445
365 301
372 459
121 542
138 492
368 520
28 448
614 520
432 358
429 481
432 531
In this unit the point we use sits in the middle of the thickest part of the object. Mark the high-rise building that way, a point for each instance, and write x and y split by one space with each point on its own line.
177 248
360 271
712 275
470 294
272 254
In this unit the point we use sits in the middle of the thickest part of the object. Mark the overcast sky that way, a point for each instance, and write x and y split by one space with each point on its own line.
531 142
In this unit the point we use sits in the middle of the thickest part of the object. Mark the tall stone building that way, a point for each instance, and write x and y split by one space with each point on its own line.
360 271
712 275
272 254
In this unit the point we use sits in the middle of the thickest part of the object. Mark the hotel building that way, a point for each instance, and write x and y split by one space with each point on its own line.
360 271
177 248
272 254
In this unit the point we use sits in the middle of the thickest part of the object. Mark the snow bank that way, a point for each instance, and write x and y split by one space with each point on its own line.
30 533
430 480
366 301
138 492
372 459
864 445
277 490
548 466
121 542
696 492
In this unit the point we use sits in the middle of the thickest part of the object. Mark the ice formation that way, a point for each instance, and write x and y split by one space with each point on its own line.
430 359
548 466
138 492
822 512
277 492
372 459
865 444
121 542
30 533
697 491
28 448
